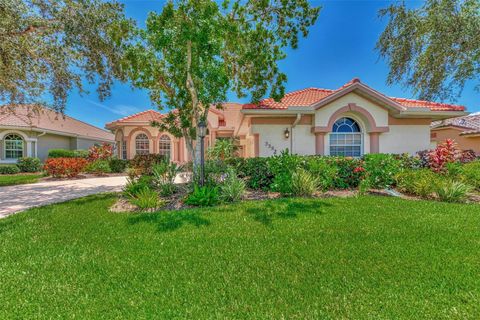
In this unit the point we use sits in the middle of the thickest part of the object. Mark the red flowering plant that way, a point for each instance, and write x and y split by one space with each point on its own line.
100 152
64 167
444 153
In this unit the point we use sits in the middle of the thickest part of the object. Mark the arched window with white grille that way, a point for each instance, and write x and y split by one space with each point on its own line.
13 146
165 146
142 144
346 138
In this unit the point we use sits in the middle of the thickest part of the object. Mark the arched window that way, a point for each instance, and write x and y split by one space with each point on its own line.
142 144
13 146
164 146
346 138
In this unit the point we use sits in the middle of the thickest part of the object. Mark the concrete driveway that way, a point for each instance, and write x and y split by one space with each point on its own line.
21 197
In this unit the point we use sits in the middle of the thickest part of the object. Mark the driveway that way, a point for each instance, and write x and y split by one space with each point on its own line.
21 197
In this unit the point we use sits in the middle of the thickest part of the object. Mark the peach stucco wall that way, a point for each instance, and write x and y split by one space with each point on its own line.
464 142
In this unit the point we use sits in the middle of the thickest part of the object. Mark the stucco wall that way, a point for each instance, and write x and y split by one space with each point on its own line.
50 141
464 142
271 139
323 114
405 139
84 144
303 140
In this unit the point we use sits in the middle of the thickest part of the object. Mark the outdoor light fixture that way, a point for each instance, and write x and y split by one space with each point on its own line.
286 133
202 132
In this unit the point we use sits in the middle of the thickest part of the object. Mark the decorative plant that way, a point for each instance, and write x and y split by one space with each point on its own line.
444 153
164 174
9 169
452 191
98 167
224 149
147 199
29 164
65 167
304 184
233 188
100 152
203 196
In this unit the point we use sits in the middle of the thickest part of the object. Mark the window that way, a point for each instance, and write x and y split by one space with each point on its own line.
346 138
13 146
164 146
142 144
124 150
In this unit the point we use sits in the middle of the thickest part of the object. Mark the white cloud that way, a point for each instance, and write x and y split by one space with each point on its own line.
120 109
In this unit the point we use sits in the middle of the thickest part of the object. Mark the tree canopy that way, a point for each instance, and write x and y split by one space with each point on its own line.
48 47
193 52
433 49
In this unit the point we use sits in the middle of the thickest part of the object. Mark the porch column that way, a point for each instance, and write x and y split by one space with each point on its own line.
374 142
320 143
256 144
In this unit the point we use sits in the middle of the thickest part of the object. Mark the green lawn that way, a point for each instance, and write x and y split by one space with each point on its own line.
10 180
365 258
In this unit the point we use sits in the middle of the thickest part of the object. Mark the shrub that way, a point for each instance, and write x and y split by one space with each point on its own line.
468 156
304 184
99 167
164 174
471 174
452 191
381 169
100 152
350 172
9 169
215 172
409 162
258 173
224 149
205 196
65 167
233 188
144 163
61 153
323 170
147 199
444 153
118 165
282 168
133 186
421 182
80 154
29 164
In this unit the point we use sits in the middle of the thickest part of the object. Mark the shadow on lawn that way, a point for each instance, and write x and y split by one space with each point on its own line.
266 211
170 221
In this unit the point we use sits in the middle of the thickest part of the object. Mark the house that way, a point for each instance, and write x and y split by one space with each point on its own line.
464 130
352 120
31 131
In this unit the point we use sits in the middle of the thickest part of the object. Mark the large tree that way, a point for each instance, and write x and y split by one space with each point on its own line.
48 47
433 49
192 53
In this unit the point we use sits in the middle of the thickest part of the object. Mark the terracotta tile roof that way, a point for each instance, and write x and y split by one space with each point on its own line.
144 116
309 96
470 123
41 118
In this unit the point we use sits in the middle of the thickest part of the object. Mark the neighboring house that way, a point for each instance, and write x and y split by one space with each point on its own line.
30 131
352 120
464 130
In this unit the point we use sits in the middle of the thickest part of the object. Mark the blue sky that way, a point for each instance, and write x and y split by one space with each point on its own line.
339 47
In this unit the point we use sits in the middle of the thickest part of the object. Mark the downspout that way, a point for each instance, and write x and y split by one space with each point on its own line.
36 142
297 120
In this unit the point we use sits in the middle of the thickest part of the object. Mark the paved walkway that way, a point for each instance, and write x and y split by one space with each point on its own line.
21 197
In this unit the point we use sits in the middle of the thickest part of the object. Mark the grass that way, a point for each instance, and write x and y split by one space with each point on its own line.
357 258
21 178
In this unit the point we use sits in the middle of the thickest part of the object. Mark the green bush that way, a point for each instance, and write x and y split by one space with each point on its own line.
471 174
408 161
29 164
163 177
304 184
350 172
118 165
134 186
233 188
205 196
258 173
452 191
282 168
99 167
147 199
323 170
9 169
422 183
381 169
143 163
65 153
